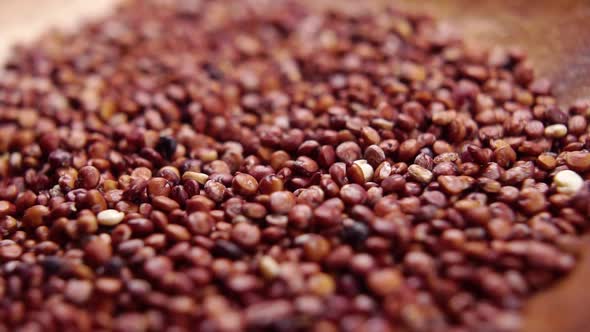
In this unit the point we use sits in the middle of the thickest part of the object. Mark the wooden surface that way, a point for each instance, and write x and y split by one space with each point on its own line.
555 33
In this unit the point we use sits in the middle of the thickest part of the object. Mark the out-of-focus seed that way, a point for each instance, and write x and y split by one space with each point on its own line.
385 281
9 250
556 131
7 209
34 216
321 284
532 201
316 247
269 268
98 251
568 182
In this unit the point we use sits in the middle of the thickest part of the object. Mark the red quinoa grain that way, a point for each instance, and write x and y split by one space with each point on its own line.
226 166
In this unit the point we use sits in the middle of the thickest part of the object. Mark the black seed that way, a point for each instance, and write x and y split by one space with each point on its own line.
213 71
355 233
114 266
166 146
52 264
224 248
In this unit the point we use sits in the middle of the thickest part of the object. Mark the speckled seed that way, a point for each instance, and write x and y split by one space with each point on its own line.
420 173
568 182
110 217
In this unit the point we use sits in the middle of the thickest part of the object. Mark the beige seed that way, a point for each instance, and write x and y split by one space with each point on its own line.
110 217
420 173
269 267
556 131
366 169
199 177
568 182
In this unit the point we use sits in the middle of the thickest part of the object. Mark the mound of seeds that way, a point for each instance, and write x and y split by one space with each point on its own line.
256 165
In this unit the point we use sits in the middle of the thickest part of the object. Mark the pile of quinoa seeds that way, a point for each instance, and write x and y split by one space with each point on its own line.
248 165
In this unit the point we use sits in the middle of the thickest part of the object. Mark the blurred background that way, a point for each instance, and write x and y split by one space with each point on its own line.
554 33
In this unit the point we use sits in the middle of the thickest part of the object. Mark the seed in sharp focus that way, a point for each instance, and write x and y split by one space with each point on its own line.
366 169
420 173
110 217
578 160
88 177
244 184
568 182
